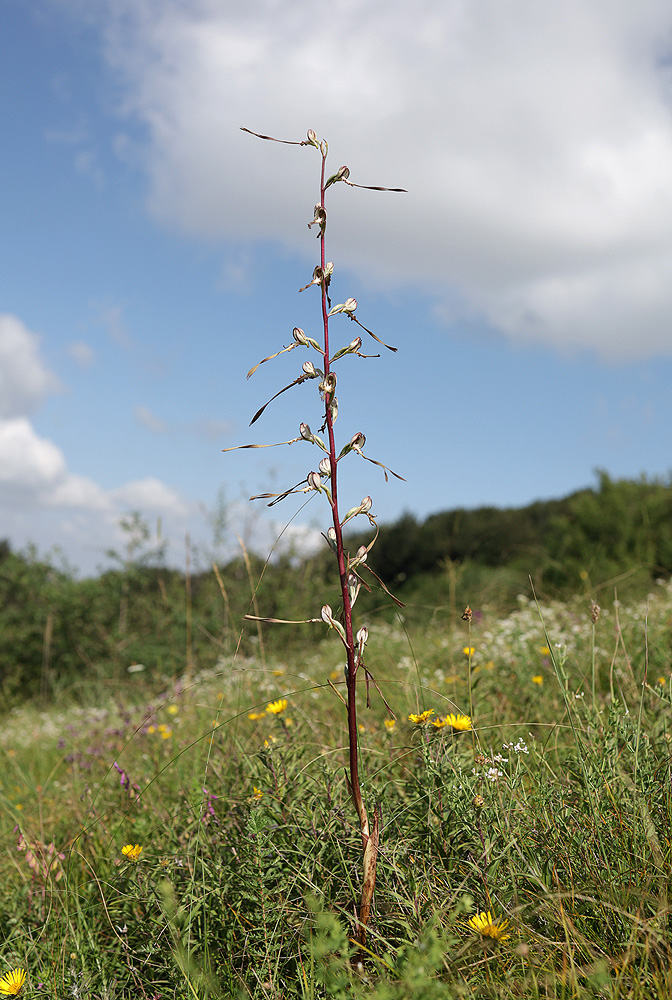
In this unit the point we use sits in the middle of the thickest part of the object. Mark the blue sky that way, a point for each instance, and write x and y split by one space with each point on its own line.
152 252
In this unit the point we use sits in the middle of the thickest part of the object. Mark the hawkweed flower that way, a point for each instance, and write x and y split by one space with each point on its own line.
419 720
462 723
537 679
487 927
277 707
132 852
469 650
11 982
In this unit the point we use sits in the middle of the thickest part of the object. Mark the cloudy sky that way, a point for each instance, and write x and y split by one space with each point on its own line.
152 252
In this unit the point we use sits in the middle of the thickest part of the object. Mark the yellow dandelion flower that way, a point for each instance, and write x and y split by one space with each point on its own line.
460 722
537 679
132 852
277 707
544 650
11 982
390 724
469 650
173 709
487 927
166 733
418 720
438 723
151 729
255 716
256 793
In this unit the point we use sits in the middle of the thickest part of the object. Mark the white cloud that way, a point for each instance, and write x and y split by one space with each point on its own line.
24 378
27 462
149 420
535 140
150 495
81 352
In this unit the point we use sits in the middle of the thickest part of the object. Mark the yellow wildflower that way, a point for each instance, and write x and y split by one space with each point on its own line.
132 851
390 724
11 982
438 723
487 927
256 793
277 707
173 709
469 650
537 679
255 716
460 722
418 720
544 650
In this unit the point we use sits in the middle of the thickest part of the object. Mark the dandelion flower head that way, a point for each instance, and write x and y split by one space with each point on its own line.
11 982
277 707
487 927
132 851
469 650
419 720
460 722
390 724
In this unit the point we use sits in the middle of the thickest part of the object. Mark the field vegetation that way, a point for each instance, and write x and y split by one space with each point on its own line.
526 857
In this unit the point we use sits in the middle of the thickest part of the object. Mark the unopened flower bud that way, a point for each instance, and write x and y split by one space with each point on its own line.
353 588
305 432
314 481
363 636
329 268
327 614
331 537
355 345
362 554
299 336
311 135
310 370
366 505
325 466
343 173
357 441
350 305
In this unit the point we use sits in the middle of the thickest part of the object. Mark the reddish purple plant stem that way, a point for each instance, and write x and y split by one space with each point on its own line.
353 736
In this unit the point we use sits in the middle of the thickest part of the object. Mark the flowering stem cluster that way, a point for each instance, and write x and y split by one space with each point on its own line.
324 480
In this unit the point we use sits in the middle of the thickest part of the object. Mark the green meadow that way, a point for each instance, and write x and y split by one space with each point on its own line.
175 817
